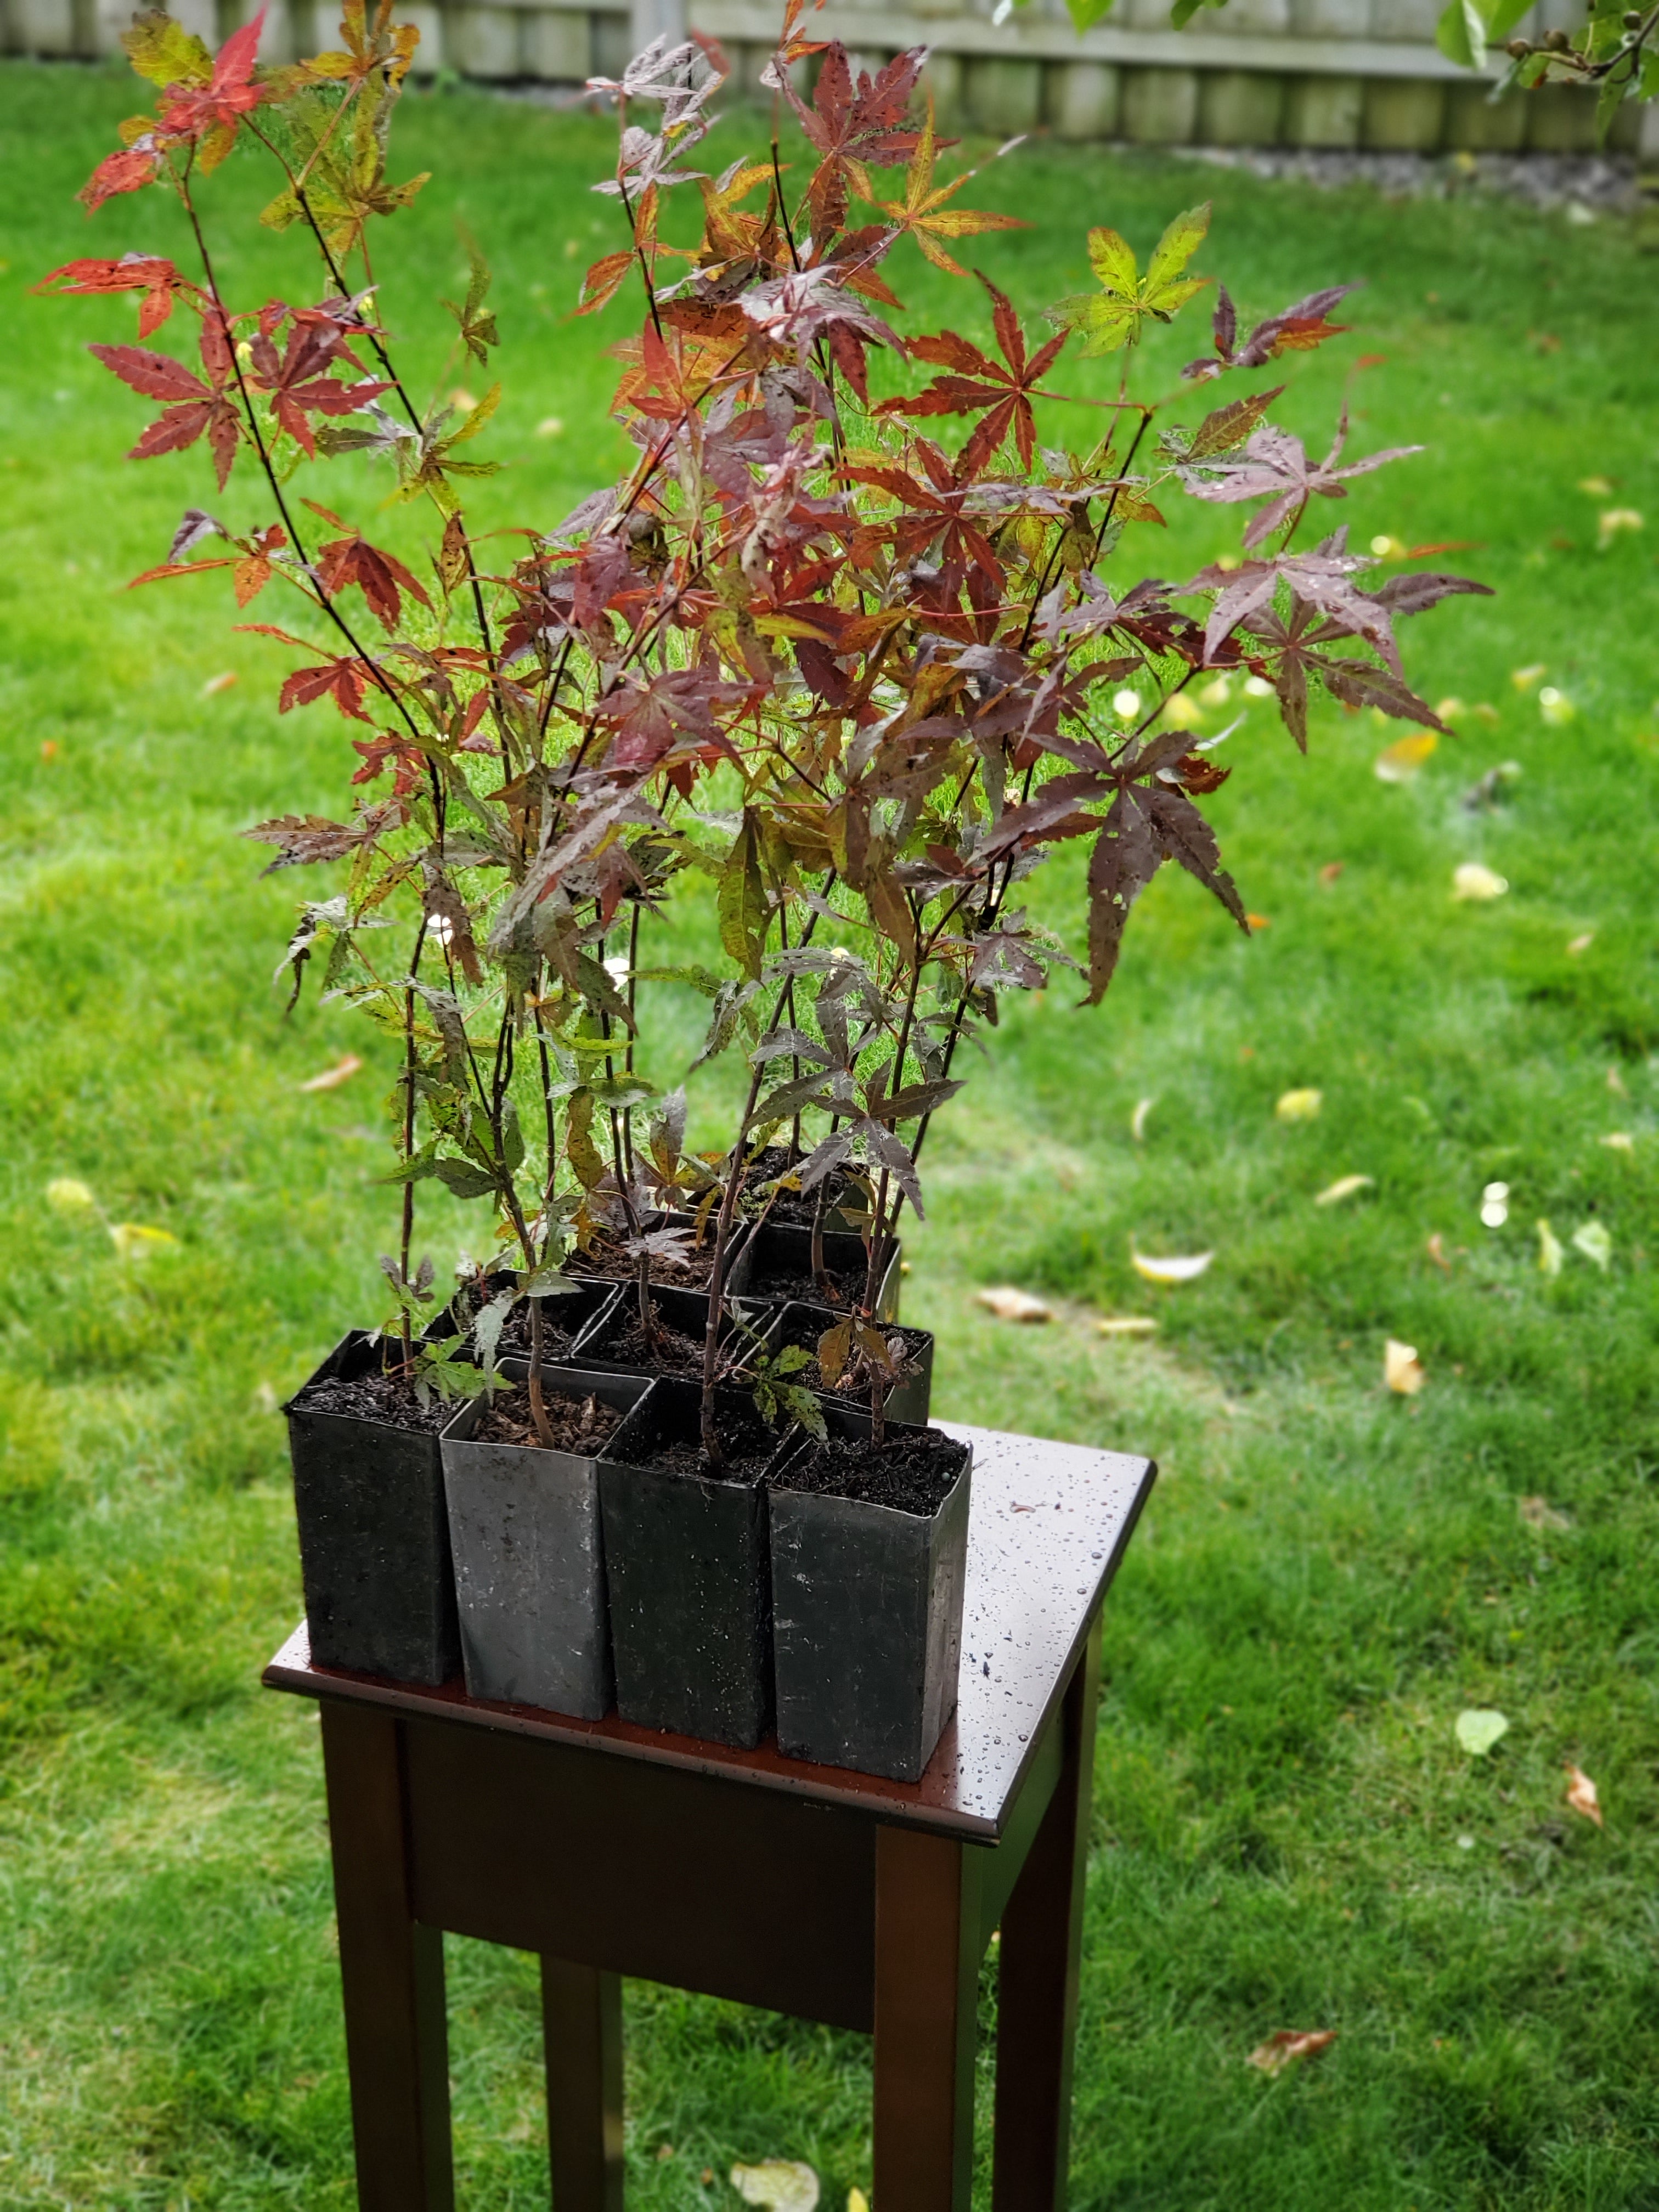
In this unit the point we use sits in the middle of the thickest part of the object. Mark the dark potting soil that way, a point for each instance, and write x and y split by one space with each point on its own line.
579 1424
374 1397
783 1284
557 1341
854 1382
913 1474
611 1262
746 1445
669 1351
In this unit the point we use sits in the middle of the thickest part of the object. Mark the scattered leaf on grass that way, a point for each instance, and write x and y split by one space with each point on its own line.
1344 1187
463 401
1597 487
1435 1249
786 2184
68 1195
665 2151
265 1398
1009 1304
1138 1119
856 2199
1400 761
1619 1140
1550 1255
1593 1241
215 684
1524 679
1127 1325
1288 2045
1479 1728
1539 1513
1495 1205
1617 1085
1299 1105
1403 1370
1557 709
48 749
1185 1268
1578 945
1472 880
133 1241
550 426
1581 1794
332 1077
1255 923
1613 523
1331 871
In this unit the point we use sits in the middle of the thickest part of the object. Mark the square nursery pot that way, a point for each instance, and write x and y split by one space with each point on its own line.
374 1534
525 1529
603 1344
564 1318
776 1263
607 1263
867 1603
685 1558
910 1399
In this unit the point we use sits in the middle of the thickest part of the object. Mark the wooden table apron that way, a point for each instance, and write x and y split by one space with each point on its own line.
841 1898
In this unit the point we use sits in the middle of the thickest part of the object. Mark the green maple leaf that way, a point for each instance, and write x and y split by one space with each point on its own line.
1112 317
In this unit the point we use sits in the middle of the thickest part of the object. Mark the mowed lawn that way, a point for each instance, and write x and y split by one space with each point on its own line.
1287 1833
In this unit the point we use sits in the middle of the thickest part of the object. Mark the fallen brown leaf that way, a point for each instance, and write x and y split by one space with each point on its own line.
1539 1513
332 1077
1331 871
1009 1304
1403 1370
1436 1252
1581 1794
1290 2044
214 684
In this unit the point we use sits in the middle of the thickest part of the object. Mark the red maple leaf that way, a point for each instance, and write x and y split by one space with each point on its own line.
353 560
149 273
981 383
851 123
192 407
128 171
297 379
209 115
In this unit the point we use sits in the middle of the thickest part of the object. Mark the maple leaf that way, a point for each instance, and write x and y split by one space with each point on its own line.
1001 394
1296 329
850 124
129 171
166 52
209 115
922 212
149 273
303 839
192 407
478 325
380 576
297 380
1112 317
1275 466
383 46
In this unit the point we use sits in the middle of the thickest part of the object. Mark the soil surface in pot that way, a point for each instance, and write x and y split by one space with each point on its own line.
670 1351
556 1339
853 1384
798 1208
745 1442
374 1397
579 1424
912 1474
782 1283
692 1274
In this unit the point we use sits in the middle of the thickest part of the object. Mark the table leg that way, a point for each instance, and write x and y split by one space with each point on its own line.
392 1974
928 1949
581 2020
1037 1978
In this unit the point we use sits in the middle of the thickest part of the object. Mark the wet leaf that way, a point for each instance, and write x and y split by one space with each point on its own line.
1138 1119
1471 880
1593 1241
1403 1370
1127 1325
1524 679
1299 1105
1550 1253
786 2184
134 1240
1578 945
1284 2048
67 1195
1400 761
1619 1140
1581 1794
1344 1187
1008 1305
332 1077
1479 1728
214 684
1185 1269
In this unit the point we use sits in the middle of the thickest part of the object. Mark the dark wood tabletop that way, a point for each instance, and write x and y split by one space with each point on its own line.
1050 1523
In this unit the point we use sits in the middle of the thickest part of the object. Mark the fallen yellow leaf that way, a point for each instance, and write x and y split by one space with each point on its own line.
1129 1325
1290 2044
1539 1513
1619 1140
68 1195
1186 1269
1400 761
550 427
1550 1255
1617 1085
214 684
856 2199
1344 1187
1581 1794
1613 523
1403 1370
1008 1305
1138 1119
1524 679
1299 1105
1597 487
133 1241
333 1078
1577 945
462 400
1593 1241
786 2184
1470 880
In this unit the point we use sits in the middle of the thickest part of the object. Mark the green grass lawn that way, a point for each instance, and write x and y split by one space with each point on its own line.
1286 1832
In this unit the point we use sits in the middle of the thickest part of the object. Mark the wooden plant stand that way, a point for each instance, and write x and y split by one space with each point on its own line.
611 1850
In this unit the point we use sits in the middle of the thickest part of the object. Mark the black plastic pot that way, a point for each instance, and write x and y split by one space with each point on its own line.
867 1619
776 1263
686 1311
373 1537
685 1558
528 1550
908 1399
